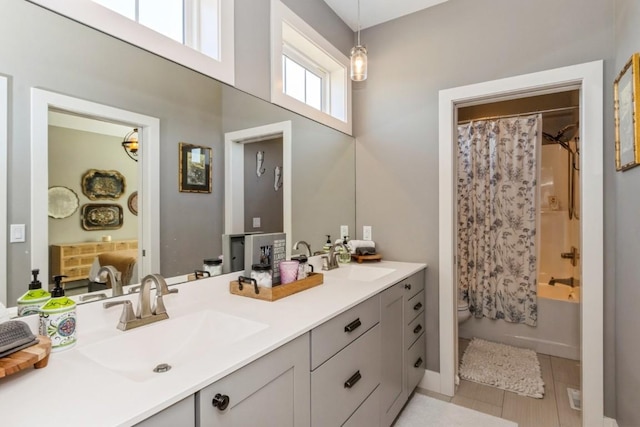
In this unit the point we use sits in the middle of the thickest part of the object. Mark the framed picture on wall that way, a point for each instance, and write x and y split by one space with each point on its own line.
625 91
195 169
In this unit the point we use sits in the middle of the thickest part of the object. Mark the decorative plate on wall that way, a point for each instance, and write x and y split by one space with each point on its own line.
63 202
132 203
102 184
100 216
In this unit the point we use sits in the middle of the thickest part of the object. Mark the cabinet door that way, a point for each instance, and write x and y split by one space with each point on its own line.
273 391
181 414
392 389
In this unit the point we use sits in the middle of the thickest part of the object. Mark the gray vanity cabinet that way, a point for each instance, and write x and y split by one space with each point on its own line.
273 391
180 414
392 388
402 323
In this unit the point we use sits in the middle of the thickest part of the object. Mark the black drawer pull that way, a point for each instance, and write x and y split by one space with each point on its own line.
418 306
353 325
417 329
353 380
220 401
407 286
418 363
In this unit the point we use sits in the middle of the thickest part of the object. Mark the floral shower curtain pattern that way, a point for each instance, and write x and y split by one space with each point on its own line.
497 188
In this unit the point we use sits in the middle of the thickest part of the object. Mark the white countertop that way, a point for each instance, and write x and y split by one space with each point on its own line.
75 391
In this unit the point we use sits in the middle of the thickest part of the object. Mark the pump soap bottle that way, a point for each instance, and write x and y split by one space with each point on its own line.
327 246
58 318
34 298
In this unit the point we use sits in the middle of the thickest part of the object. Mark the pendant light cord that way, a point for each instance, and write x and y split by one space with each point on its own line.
358 22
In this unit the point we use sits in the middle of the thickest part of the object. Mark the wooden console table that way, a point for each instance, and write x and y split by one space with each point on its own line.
74 260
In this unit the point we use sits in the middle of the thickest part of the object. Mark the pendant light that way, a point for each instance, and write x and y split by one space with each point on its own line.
358 57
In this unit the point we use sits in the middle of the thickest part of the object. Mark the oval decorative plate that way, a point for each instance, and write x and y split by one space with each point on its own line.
63 202
102 184
132 203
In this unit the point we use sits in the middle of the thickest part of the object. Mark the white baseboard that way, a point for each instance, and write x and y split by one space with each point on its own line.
430 381
610 422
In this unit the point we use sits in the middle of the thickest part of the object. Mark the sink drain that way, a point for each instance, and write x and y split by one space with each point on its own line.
163 367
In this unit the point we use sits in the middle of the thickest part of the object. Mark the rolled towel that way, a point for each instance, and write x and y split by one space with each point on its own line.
355 244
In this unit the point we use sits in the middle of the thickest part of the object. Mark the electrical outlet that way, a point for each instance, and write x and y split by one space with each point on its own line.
366 232
256 222
344 231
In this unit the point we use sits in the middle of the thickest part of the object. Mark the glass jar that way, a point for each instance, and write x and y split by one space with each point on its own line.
212 266
303 266
262 274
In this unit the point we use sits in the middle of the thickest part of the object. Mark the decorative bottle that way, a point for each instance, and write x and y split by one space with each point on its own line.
34 298
58 318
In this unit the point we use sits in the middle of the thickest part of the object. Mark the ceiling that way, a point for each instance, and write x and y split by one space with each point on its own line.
374 12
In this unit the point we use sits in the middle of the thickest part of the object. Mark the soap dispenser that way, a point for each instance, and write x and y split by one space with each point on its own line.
58 318
327 246
345 254
34 298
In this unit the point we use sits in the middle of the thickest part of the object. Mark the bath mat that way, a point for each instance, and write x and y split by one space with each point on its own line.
503 366
423 411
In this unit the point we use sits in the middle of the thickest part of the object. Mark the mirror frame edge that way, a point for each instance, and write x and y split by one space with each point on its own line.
41 101
4 188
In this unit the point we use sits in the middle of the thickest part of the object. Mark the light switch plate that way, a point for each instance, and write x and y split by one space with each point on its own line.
366 232
344 231
18 232
256 222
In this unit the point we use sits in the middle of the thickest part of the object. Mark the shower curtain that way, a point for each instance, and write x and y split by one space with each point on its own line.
497 192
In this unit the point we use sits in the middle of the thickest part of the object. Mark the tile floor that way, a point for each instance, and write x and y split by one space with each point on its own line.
551 411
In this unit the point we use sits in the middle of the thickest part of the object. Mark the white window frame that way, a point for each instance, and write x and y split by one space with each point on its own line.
325 77
340 84
112 23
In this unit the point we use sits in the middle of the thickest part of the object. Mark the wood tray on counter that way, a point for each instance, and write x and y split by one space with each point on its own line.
279 291
37 356
361 258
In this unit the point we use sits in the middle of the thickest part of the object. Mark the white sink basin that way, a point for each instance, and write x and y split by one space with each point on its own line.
177 341
360 273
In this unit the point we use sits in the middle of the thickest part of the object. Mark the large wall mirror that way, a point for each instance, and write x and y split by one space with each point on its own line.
104 72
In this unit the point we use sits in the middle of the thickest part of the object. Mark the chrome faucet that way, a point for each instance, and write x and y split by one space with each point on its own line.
332 257
113 275
568 281
305 244
145 313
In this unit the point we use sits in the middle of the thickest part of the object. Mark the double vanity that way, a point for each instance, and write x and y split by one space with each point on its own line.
346 353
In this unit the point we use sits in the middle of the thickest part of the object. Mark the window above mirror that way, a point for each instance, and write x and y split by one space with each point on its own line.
195 33
309 75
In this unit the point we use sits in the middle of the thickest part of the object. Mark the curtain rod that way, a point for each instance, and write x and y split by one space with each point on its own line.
553 110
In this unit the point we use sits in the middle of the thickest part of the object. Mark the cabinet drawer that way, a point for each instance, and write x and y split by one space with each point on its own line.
69 250
413 331
339 386
414 307
413 284
334 335
416 363
367 415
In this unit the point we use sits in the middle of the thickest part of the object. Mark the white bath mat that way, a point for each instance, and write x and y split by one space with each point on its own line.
503 366
423 411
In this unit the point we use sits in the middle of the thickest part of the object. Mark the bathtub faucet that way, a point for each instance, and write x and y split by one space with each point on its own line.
568 281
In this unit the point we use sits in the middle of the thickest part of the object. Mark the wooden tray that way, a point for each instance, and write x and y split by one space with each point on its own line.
279 291
361 258
36 356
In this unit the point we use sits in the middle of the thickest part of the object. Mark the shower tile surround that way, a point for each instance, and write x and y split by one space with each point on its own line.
551 411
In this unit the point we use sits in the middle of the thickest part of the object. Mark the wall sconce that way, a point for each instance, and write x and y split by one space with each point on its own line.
130 144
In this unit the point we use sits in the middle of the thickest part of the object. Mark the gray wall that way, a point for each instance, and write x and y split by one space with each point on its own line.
57 54
396 114
71 154
627 243
261 200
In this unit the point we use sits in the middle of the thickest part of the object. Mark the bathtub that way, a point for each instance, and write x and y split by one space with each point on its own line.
557 332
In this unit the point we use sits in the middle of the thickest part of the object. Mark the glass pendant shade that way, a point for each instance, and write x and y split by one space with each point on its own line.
358 63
